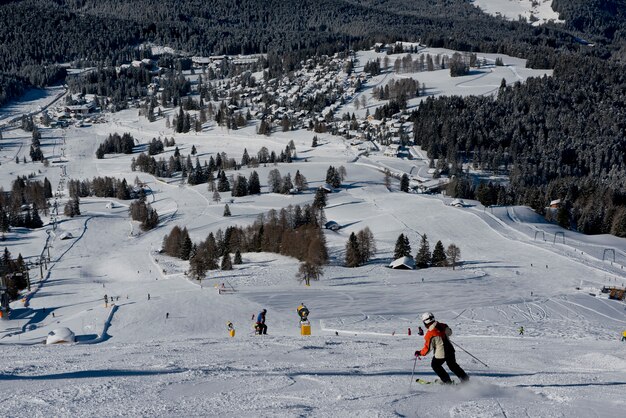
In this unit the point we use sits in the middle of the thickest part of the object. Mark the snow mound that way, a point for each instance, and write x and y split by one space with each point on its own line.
61 335
66 235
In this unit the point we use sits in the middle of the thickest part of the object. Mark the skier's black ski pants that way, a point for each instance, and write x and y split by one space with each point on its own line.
450 359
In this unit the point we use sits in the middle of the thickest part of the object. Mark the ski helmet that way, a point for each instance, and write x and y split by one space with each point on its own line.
264 311
428 318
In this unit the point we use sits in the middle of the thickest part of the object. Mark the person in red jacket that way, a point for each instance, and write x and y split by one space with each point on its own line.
437 340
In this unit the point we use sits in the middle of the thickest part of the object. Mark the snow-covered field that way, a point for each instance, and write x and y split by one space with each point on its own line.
480 81
517 270
535 11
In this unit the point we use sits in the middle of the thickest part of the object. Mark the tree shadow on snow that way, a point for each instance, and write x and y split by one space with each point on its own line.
106 373
565 385
351 283
487 264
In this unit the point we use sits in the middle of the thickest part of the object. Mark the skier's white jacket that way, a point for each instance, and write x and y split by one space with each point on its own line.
434 339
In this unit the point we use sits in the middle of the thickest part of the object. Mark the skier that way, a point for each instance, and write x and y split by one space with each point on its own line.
260 323
521 331
624 335
420 331
437 340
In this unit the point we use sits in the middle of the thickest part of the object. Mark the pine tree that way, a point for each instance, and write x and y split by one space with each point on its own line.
404 183
237 259
245 158
439 258
72 207
319 201
403 248
47 188
353 253
333 177
211 252
180 120
222 184
7 261
423 257
300 181
240 186
185 248
187 123
35 221
227 263
152 219
254 185
198 262
286 185
122 192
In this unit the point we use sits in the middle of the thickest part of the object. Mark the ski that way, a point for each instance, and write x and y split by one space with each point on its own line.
433 382
424 382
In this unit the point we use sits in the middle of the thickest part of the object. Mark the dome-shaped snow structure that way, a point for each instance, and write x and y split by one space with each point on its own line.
61 335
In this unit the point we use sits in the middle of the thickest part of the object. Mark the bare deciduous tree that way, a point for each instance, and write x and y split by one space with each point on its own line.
454 253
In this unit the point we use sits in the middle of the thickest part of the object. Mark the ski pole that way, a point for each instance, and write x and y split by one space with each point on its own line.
413 372
473 356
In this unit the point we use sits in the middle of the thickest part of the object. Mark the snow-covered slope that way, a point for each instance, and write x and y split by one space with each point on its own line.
535 11
164 349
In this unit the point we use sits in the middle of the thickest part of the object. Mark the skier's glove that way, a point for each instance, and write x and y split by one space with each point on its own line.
417 353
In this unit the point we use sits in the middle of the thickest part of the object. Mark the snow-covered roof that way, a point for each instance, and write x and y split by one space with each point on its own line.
332 225
405 262
457 203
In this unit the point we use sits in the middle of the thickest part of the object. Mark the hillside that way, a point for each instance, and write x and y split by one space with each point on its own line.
164 350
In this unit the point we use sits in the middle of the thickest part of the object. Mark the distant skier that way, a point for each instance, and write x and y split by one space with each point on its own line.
521 331
624 336
437 340
260 322
420 331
